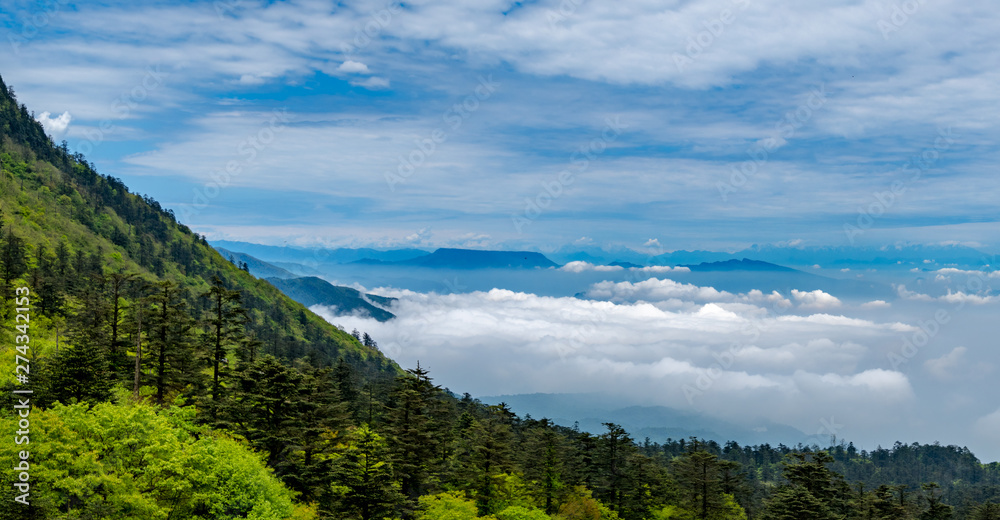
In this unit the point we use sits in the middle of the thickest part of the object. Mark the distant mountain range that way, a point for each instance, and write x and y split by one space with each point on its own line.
744 264
316 256
305 261
904 256
472 259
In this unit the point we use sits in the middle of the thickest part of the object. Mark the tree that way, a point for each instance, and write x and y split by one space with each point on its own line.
13 258
543 453
118 284
615 446
170 340
486 456
796 503
990 511
225 322
936 510
411 429
699 478
364 488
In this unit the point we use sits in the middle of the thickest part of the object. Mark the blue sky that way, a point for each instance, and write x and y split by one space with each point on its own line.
702 124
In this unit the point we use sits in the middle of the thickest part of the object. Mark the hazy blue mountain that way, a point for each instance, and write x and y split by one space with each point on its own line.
298 269
904 256
311 291
474 259
313 256
257 267
658 423
744 264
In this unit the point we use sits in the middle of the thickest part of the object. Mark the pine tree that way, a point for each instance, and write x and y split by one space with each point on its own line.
411 428
225 322
699 479
936 510
989 511
543 461
364 488
796 503
169 342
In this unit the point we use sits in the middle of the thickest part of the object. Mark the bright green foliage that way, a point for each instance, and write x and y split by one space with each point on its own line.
128 461
521 513
450 505
580 505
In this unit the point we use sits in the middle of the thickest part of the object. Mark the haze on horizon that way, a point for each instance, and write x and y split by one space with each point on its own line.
507 125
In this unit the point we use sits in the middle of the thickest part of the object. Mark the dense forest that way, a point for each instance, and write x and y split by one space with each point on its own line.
168 383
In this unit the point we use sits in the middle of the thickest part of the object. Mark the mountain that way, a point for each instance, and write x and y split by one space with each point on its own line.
739 265
76 236
311 291
473 259
317 256
257 267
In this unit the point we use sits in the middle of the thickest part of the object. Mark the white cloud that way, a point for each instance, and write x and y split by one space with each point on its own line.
906 294
876 304
353 67
54 126
372 83
580 266
946 367
652 242
660 269
988 427
816 299
961 298
527 343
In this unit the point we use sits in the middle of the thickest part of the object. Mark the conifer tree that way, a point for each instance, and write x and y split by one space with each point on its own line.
364 488
225 322
411 428
169 344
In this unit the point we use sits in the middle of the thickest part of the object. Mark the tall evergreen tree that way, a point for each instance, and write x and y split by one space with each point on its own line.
169 345
226 320
411 428
364 488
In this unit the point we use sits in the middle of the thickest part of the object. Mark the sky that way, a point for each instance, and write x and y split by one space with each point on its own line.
670 124
698 124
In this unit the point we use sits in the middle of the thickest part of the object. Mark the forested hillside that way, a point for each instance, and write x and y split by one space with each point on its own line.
169 384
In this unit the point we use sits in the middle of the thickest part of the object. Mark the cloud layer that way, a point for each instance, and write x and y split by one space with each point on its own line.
742 356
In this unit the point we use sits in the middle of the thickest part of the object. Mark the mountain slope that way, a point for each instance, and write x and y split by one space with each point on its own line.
255 266
67 214
311 291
